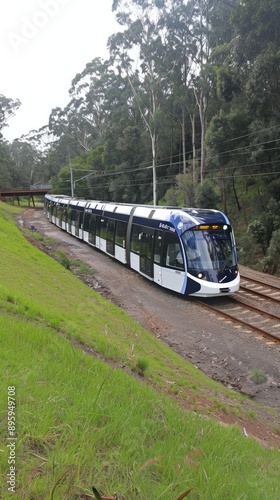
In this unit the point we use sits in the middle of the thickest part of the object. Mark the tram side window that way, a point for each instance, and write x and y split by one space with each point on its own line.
59 214
63 214
158 246
111 236
137 231
103 228
120 233
73 216
92 228
86 221
98 225
172 254
79 219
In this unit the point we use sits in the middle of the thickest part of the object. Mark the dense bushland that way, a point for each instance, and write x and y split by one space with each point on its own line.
185 111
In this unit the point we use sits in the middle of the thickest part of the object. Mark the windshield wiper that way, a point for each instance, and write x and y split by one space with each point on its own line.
222 268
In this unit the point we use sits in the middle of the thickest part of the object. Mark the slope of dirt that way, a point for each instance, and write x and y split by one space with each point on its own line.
225 352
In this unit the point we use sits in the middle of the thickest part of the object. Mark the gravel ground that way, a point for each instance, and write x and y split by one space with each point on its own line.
223 351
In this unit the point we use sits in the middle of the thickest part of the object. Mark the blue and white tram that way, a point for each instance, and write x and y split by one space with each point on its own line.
190 251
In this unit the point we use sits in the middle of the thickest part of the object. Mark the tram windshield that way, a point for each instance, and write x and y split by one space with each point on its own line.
209 249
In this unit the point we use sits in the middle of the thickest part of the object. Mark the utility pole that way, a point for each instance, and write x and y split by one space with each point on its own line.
72 177
72 181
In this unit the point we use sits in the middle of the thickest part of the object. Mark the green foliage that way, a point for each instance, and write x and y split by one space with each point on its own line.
265 232
8 107
185 190
272 257
227 81
170 197
183 194
84 269
257 376
258 231
63 259
5 166
206 195
142 365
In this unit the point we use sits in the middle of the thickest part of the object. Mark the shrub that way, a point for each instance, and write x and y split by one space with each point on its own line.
62 259
258 376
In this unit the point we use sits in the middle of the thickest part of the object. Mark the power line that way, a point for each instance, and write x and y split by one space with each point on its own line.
251 133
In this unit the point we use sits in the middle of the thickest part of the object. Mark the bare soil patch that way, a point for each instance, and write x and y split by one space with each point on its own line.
224 352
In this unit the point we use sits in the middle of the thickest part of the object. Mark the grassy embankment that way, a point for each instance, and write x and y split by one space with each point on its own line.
83 418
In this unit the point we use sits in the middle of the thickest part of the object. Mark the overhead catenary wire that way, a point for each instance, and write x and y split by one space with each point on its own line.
240 150
244 150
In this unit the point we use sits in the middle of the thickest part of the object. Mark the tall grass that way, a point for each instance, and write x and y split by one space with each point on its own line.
81 421
97 425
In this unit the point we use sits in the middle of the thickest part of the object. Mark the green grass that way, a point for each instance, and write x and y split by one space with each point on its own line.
83 418
257 376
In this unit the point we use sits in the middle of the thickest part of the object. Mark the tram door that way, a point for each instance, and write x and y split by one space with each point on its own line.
110 246
146 252
78 222
92 229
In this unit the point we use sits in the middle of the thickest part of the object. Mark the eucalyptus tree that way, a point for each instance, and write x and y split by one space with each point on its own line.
143 41
88 93
69 137
181 51
27 163
200 73
69 122
106 99
6 166
78 128
8 107
243 134
227 150
256 56
211 28
227 124
61 150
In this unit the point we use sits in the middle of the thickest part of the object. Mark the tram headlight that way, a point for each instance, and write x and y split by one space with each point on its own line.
200 276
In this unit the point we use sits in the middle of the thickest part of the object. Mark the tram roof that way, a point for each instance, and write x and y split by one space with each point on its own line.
189 216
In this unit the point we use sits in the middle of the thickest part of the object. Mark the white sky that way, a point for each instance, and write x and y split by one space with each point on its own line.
43 45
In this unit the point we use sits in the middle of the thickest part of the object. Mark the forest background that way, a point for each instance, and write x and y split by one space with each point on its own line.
185 112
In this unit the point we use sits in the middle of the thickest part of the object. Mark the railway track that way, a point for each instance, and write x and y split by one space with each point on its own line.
254 287
255 307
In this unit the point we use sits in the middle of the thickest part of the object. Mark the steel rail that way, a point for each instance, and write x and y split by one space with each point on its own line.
241 321
259 293
259 282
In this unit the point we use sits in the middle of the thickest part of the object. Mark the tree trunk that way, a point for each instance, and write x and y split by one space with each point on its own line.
224 195
184 142
202 114
192 118
235 194
154 156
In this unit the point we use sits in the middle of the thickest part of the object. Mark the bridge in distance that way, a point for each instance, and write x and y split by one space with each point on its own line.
16 194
